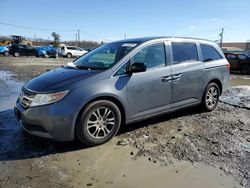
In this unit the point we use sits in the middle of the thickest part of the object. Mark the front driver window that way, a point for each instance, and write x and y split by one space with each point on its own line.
153 56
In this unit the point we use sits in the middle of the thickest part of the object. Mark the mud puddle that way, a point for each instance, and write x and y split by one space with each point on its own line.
9 90
108 166
117 166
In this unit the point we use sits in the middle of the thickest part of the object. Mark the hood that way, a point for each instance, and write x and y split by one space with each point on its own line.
54 79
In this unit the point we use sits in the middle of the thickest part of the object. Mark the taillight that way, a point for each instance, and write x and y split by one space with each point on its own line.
228 66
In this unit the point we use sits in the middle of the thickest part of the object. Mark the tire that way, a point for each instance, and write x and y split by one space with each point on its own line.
210 97
245 69
6 53
16 54
94 127
69 55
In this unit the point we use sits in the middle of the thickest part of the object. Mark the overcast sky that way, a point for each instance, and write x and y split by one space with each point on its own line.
110 20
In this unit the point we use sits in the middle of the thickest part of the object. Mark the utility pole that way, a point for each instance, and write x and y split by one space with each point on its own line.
221 36
78 37
125 36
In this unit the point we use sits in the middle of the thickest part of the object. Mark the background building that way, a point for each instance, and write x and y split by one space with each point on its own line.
245 46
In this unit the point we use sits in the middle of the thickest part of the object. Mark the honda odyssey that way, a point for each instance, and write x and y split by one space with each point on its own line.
122 82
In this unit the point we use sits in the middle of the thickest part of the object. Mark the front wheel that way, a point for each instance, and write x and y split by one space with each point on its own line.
210 97
6 53
98 123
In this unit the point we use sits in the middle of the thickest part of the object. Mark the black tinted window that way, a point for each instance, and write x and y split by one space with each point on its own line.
71 48
209 53
184 51
242 56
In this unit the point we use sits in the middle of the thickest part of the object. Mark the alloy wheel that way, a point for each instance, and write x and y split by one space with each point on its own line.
212 97
101 122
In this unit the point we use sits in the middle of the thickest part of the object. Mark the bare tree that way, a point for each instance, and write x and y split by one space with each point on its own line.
56 37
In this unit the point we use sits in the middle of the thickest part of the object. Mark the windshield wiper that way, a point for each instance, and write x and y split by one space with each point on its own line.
82 67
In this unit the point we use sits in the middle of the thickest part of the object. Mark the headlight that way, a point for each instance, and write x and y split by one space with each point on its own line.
43 99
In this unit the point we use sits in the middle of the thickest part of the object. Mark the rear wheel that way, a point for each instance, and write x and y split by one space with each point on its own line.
210 97
16 54
98 123
69 55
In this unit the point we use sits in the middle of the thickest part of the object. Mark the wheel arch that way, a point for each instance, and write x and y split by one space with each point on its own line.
113 99
218 82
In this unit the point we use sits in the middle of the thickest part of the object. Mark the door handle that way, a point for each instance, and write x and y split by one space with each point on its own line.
166 78
176 77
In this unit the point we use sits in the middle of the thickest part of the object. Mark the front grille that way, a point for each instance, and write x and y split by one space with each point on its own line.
26 97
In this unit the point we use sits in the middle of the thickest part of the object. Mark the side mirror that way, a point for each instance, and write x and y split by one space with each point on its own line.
138 67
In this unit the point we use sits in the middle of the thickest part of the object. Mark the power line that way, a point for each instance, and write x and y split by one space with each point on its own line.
89 34
51 30
95 36
202 32
34 28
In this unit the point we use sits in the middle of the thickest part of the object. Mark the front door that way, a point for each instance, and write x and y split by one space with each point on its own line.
149 92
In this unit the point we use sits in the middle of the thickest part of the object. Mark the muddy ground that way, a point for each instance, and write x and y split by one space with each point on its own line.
183 149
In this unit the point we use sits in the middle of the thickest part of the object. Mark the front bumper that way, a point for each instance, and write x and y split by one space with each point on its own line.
55 121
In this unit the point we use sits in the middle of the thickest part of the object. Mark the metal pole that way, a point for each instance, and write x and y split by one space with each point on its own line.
78 37
221 37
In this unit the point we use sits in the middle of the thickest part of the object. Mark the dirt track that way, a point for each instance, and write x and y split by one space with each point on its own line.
183 140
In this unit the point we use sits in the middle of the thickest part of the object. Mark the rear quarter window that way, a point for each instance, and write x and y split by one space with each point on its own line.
184 52
209 53
71 48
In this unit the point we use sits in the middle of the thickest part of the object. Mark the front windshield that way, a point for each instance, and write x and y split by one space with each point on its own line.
105 56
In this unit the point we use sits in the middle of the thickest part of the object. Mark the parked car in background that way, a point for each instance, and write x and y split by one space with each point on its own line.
238 62
47 51
4 50
72 51
51 51
20 49
122 82
41 51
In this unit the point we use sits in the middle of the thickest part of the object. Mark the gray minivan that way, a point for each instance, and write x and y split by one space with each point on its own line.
120 83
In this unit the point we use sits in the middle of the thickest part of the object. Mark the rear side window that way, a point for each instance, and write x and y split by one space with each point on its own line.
184 51
71 48
231 56
209 53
